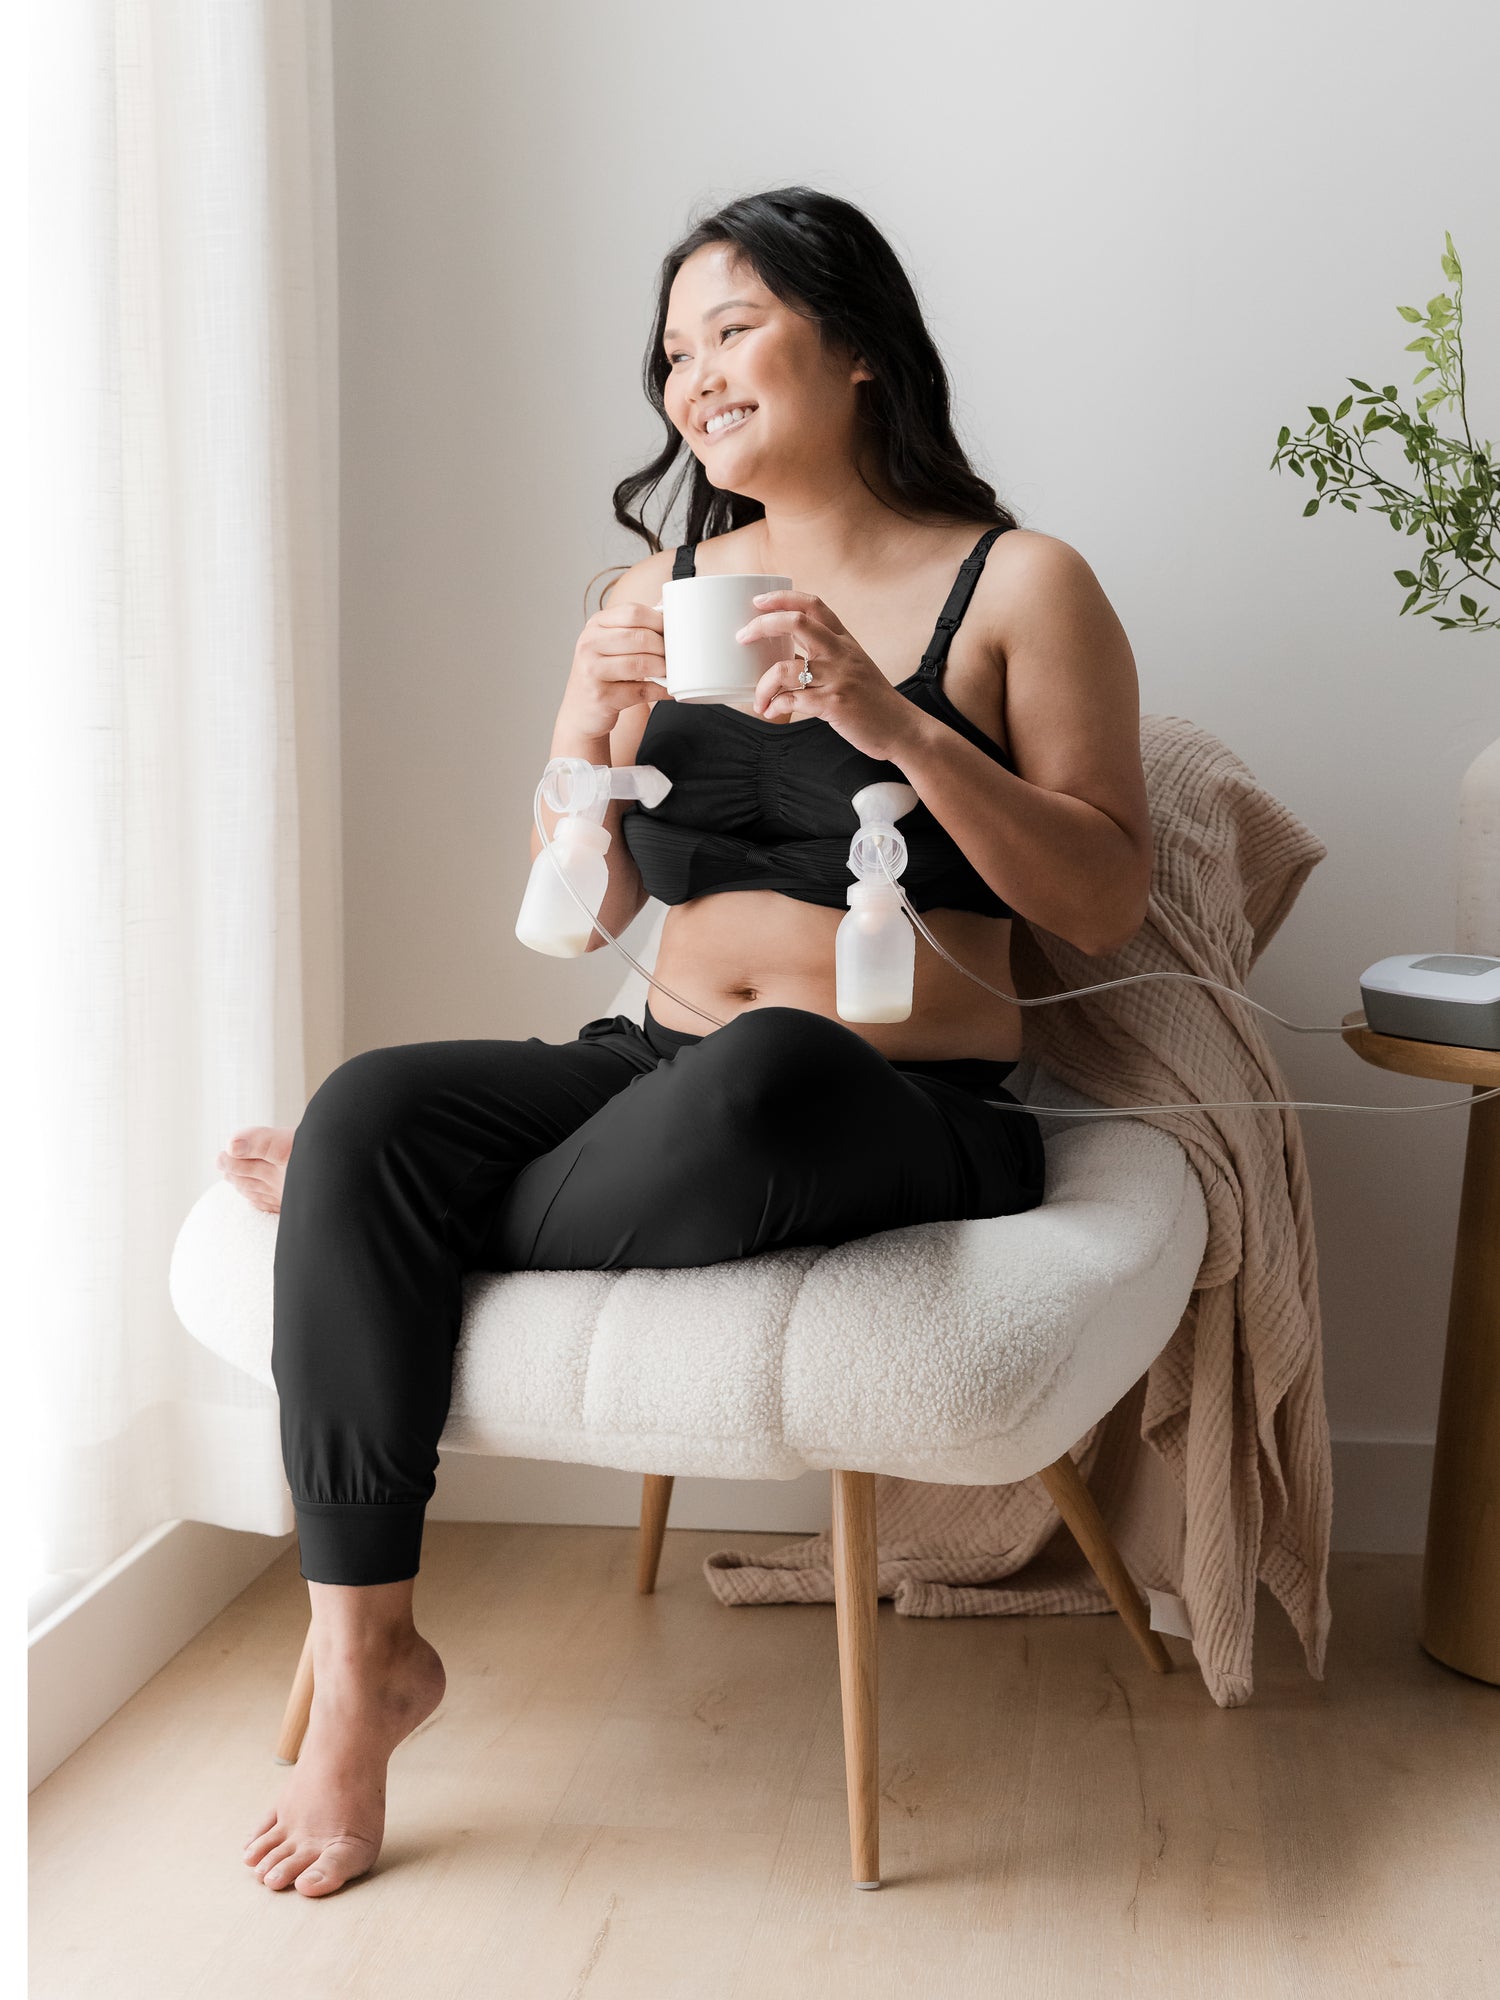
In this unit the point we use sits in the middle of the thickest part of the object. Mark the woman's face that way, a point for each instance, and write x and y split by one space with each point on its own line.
731 343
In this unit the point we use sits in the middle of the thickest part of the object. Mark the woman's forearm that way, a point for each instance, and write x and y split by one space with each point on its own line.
1059 861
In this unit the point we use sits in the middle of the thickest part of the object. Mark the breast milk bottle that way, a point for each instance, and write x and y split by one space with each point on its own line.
875 951
550 919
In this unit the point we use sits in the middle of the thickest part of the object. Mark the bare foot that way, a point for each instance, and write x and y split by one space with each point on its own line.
255 1162
328 1823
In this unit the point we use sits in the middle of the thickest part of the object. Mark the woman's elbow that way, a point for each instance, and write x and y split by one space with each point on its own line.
1121 938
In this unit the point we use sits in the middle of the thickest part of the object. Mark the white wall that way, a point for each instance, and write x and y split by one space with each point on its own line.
1145 236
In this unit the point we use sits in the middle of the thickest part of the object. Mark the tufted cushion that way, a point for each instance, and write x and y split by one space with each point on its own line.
962 1352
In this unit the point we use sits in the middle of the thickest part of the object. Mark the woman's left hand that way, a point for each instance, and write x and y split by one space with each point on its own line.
848 690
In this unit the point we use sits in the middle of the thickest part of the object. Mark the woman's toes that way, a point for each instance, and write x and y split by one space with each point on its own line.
262 1142
259 1845
340 1861
254 1164
271 1861
284 1873
259 1184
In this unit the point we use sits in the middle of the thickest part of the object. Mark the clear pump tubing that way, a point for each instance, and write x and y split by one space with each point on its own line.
1046 1000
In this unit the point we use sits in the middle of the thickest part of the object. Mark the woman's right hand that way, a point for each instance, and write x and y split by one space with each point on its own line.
618 651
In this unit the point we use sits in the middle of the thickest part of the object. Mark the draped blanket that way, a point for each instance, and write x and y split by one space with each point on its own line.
1215 1469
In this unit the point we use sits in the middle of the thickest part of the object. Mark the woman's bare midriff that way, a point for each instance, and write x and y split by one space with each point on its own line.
748 948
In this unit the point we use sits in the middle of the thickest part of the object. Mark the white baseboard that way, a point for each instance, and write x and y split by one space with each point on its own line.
92 1653
474 1488
1381 1487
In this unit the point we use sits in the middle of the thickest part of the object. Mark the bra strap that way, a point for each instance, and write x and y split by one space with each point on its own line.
686 564
951 616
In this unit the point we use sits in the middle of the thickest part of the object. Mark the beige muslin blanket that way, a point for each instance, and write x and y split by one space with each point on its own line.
1215 1469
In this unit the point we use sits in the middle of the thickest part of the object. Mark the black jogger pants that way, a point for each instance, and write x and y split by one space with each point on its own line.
626 1146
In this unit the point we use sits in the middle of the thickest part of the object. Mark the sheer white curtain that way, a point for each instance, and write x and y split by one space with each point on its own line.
173 793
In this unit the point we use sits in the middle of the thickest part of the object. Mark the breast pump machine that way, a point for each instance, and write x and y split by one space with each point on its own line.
1437 997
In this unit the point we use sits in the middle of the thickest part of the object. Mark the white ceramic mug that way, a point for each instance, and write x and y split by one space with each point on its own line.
700 616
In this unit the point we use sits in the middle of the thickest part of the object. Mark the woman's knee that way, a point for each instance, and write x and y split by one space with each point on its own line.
361 1108
771 1068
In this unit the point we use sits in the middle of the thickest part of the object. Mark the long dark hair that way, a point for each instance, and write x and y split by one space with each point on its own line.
824 258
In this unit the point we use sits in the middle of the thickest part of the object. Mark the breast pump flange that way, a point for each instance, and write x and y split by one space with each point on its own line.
875 947
569 876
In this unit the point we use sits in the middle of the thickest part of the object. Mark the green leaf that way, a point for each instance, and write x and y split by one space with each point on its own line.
1343 409
1469 605
1410 312
1319 414
1411 600
1310 508
1282 436
1405 576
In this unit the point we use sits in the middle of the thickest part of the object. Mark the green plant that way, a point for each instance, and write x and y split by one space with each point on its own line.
1457 507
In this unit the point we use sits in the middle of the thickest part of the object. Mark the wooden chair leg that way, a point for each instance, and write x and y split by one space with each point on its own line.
855 1603
1077 1506
656 1498
298 1706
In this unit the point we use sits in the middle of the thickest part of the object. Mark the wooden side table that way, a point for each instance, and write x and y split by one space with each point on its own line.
1460 1616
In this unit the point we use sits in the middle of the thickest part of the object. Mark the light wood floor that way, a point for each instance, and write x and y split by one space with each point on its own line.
625 1796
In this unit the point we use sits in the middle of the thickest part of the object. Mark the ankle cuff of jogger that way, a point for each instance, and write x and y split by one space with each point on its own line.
359 1541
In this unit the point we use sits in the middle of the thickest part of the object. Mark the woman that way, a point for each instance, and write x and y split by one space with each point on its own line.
790 356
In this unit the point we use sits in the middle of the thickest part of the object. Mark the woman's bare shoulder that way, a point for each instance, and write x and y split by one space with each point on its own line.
1023 570
641 582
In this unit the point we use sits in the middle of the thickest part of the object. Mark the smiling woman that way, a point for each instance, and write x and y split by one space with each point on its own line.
790 358
822 324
